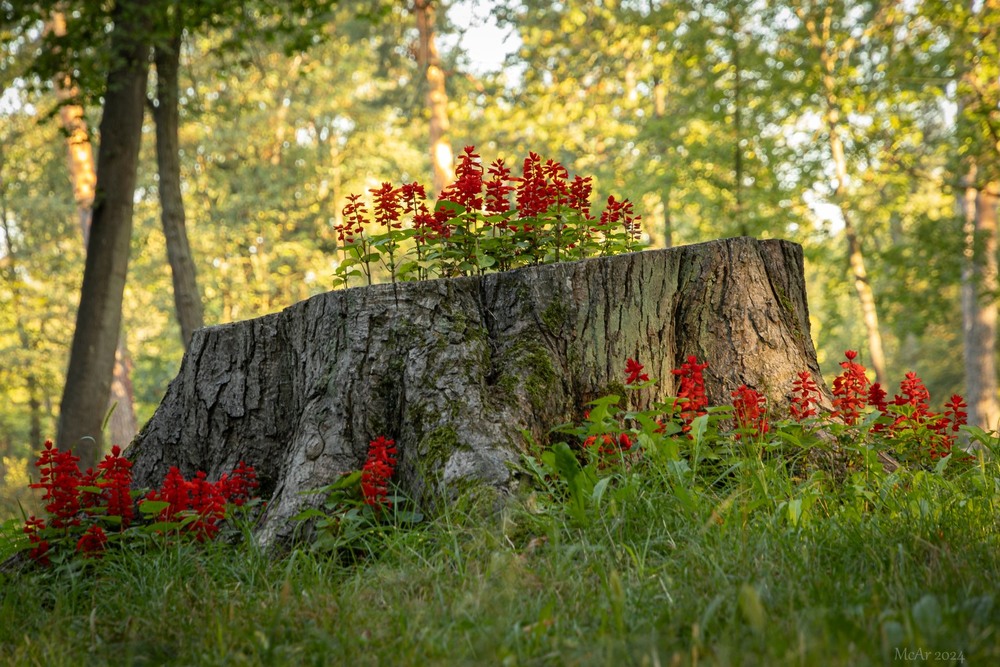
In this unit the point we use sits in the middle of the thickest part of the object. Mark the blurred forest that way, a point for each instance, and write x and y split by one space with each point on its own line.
869 132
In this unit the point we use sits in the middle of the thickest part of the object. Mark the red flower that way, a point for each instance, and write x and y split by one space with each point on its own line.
620 212
955 412
805 396
116 481
750 409
208 503
579 196
92 542
467 190
497 189
633 372
532 194
354 219
238 488
377 472
692 388
387 208
850 389
60 477
39 552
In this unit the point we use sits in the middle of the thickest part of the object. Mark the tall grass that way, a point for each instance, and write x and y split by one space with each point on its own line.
750 561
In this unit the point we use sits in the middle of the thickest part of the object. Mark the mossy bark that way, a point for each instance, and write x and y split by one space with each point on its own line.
457 370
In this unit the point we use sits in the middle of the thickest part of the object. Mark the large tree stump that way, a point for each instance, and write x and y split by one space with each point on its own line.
456 369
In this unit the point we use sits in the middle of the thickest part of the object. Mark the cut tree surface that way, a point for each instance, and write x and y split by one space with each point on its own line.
456 370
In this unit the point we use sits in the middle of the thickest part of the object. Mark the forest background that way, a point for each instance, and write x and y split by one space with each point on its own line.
869 132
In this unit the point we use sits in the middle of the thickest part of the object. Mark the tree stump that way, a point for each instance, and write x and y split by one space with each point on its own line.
456 370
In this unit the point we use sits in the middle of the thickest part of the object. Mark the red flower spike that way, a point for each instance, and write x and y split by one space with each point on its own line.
467 190
692 388
238 488
377 472
115 478
60 477
387 208
750 410
579 196
39 552
532 194
353 219
850 389
497 189
633 372
93 542
805 397
955 412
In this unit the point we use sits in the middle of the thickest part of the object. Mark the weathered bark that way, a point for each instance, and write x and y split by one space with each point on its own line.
98 321
83 176
187 300
979 307
442 157
456 369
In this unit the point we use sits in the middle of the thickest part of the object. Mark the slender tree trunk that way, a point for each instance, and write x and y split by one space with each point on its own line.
83 175
978 208
187 301
98 322
855 256
442 158
737 125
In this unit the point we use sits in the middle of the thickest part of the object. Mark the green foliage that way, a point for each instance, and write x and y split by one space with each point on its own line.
744 561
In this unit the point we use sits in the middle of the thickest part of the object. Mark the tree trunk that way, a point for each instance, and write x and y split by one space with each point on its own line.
855 257
187 300
98 322
442 157
979 307
80 162
455 370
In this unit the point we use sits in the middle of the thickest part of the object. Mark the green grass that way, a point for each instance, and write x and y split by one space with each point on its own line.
875 565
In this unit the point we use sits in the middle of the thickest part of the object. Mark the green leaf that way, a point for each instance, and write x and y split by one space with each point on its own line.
152 507
311 513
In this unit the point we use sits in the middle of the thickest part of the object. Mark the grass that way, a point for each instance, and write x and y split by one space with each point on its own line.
745 565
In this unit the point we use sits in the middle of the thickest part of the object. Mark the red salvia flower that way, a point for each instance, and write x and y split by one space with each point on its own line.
60 477
692 388
353 219
532 195
633 372
239 487
805 395
40 549
467 190
556 186
377 472
93 542
88 498
175 492
411 198
750 410
387 208
955 412
209 504
850 389
498 189
610 444
579 196
620 212
116 481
